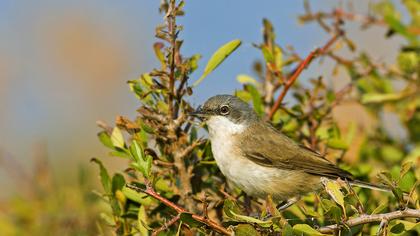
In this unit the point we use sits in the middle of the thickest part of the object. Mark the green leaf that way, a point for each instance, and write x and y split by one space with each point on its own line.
306 230
118 182
380 208
268 56
398 228
278 54
148 166
243 95
105 139
105 180
333 190
246 79
108 219
246 230
256 99
138 197
142 221
136 151
218 57
370 98
337 144
230 206
117 138
408 225
249 219
189 220
157 47
405 168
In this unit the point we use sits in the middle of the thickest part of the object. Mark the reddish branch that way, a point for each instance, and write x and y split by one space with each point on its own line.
151 192
303 64
364 219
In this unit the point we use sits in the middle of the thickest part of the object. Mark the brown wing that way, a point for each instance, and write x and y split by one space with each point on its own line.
273 149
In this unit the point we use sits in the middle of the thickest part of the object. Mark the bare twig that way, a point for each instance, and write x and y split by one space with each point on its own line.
289 82
364 219
210 223
166 225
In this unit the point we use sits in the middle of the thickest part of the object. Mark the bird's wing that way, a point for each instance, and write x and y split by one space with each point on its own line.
271 148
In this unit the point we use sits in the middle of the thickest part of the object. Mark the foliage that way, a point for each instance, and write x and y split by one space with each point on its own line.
46 205
172 186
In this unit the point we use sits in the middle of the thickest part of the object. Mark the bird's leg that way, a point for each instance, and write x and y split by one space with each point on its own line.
285 204
270 208
247 204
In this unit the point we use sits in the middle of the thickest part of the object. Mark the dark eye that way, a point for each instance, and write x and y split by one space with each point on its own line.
224 110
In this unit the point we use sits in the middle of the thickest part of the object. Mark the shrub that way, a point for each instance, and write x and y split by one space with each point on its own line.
172 184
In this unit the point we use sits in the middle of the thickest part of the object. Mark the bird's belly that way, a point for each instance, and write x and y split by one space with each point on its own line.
259 181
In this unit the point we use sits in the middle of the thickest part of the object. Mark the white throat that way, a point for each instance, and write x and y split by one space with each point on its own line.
221 128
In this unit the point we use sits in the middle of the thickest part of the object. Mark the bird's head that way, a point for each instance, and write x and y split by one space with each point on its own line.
225 112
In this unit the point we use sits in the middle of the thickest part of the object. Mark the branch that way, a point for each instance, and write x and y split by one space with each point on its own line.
166 225
289 82
364 219
151 192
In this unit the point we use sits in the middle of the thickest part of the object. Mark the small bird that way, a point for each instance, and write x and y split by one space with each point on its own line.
261 160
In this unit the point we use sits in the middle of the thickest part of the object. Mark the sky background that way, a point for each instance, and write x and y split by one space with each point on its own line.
64 64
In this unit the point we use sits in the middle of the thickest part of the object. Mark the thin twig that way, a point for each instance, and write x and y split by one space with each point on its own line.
364 219
166 225
289 82
151 192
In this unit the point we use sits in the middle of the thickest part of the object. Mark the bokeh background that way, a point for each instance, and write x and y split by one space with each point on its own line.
64 65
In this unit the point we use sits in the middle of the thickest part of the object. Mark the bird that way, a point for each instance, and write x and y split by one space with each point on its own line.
261 160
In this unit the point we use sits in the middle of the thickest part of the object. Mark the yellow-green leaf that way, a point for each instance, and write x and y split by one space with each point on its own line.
139 197
218 57
305 229
246 79
333 190
380 98
142 221
117 138
252 220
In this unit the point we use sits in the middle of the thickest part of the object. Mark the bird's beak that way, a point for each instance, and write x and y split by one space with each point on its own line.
200 113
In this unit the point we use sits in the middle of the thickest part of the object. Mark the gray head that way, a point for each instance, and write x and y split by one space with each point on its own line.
228 106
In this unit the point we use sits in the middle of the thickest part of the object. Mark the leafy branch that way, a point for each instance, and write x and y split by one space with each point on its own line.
303 65
365 219
202 219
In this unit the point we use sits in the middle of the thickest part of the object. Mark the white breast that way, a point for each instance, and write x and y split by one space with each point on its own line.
248 176
254 179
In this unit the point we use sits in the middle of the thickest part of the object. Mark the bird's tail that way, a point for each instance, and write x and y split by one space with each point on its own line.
362 184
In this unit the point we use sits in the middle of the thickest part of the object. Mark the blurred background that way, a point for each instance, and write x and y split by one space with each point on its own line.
64 65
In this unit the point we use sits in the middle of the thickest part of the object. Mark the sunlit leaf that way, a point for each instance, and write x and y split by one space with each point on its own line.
218 57
246 230
105 139
142 221
305 229
246 79
252 220
337 144
333 189
135 196
256 99
117 138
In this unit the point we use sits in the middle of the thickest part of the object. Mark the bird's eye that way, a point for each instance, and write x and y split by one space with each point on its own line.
224 110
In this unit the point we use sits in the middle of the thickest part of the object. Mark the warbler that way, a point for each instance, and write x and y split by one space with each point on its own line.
261 160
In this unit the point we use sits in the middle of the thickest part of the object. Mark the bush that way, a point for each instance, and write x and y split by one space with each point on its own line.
173 186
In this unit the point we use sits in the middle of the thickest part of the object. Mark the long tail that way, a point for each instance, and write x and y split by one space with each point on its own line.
370 185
